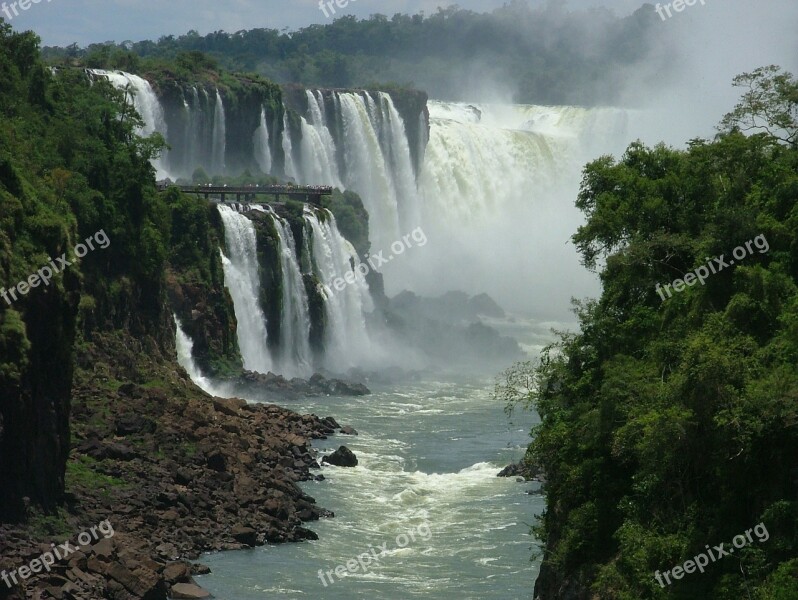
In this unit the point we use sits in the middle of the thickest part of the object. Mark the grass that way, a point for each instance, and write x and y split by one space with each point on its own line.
81 473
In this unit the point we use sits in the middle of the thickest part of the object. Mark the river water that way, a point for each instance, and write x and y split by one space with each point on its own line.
424 499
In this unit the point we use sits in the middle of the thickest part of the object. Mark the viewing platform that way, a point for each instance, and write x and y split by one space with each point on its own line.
310 194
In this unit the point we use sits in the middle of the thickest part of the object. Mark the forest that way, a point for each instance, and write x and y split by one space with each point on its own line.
543 55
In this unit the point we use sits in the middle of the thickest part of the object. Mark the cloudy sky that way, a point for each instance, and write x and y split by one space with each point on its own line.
62 22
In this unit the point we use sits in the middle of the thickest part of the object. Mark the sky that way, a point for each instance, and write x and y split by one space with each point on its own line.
63 22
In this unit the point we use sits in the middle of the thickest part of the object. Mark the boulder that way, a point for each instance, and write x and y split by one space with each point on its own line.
343 457
189 590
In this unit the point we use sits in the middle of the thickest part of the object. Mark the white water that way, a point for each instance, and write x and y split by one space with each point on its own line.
146 103
288 150
428 454
219 136
346 342
367 170
185 359
497 188
295 358
263 153
241 276
318 149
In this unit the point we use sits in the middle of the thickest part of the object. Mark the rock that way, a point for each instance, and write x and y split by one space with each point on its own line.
177 572
245 535
189 590
131 423
348 430
301 533
522 469
200 569
343 457
216 461
284 389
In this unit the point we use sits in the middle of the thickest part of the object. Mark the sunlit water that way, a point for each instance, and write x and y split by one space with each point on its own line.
429 453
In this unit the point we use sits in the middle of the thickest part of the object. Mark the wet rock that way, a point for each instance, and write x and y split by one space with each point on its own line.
523 470
245 535
348 430
343 457
189 590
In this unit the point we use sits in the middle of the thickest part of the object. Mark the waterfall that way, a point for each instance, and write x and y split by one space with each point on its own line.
185 359
367 171
318 154
145 102
346 339
295 358
219 137
400 159
242 278
288 150
263 153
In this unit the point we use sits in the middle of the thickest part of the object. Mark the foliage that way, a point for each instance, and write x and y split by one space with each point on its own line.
669 425
770 104
546 54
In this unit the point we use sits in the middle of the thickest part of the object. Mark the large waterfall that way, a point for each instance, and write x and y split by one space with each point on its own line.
241 276
346 340
491 185
295 359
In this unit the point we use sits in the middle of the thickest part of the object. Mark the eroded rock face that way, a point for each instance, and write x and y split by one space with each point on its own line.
343 457
35 384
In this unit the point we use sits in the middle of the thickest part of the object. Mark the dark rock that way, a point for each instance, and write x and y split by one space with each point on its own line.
216 461
130 424
343 457
245 535
522 469
348 430
189 590
177 572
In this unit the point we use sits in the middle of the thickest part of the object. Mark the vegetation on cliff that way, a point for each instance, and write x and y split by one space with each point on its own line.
670 424
511 46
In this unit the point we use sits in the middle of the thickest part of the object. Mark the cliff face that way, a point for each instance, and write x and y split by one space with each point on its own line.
37 331
36 364
195 284
192 111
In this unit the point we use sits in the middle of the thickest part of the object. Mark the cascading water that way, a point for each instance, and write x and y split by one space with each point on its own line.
367 171
219 136
346 340
494 190
294 355
241 276
318 155
144 100
186 360
263 153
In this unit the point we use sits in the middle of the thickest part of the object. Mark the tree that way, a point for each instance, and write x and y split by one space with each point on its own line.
770 104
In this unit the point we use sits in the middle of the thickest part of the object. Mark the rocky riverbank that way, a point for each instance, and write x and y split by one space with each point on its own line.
175 472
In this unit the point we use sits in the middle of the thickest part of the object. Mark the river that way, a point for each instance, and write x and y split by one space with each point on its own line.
428 452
